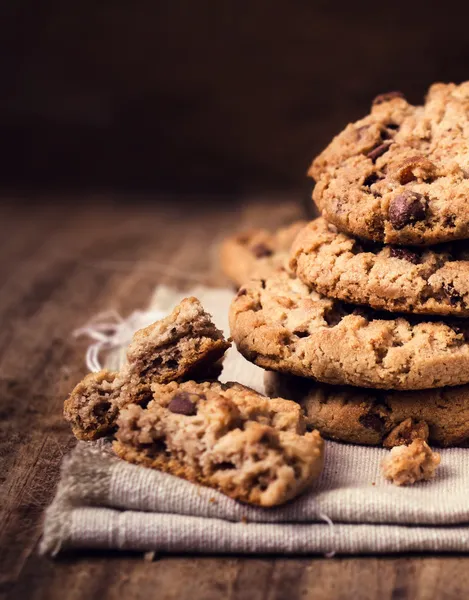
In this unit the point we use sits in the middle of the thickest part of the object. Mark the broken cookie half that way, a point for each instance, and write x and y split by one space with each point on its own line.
225 436
184 345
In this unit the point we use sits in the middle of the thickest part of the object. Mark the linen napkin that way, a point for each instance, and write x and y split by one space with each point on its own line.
104 502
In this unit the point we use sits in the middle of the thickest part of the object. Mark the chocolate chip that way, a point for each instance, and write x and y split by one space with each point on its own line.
241 292
387 97
378 151
405 254
407 208
261 250
392 126
454 297
385 135
182 404
224 466
371 179
373 421
450 221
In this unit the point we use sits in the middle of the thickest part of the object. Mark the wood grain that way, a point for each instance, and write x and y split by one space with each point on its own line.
59 265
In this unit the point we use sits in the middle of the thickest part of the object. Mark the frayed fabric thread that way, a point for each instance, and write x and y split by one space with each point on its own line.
329 521
110 331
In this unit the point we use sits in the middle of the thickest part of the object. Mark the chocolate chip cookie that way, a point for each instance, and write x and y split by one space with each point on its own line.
184 345
227 437
257 252
377 417
401 174
279 324
415 280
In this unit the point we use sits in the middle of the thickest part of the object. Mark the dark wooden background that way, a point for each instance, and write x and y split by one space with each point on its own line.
212 95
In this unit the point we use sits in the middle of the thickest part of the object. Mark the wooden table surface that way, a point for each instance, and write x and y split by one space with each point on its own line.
64 258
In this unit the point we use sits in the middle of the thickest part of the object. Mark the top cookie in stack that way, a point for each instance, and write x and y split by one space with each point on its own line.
399 176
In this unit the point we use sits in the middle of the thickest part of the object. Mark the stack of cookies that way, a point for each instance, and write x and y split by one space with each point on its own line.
366 325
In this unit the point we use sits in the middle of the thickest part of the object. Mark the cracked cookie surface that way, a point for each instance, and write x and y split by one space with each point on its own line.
279 324
414 280
257 252
378 417
224 436
184 345
401 174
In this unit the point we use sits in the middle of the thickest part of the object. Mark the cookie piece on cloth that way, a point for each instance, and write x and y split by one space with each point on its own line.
257 252
394 278
184 345
400 175
405 465
280 325
378 417
224 436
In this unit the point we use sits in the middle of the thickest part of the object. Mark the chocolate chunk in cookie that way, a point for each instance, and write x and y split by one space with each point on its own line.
182 404
377 151
406 208
405 254
372 421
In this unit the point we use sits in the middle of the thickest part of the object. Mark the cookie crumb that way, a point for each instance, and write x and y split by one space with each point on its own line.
405 465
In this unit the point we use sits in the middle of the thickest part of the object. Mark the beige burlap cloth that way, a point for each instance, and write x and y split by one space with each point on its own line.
103 502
